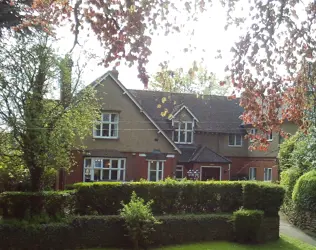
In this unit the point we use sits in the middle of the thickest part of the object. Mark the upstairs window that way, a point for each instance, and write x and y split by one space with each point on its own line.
235 140
107 126
183 132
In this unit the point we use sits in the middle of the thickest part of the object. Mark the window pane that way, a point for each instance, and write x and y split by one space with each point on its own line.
106 163
189 137
113 175
106 175
113 130
189 126
105 117
159 175
238 140
182 136
87 163
270 174
105 130
175 136
114 164
153 166
87 174
122 164
152 176
122 175
97 130
179 172
231 140
98 163
97 175
114 117
160 165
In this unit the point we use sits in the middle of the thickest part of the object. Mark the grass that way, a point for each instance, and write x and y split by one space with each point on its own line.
283 243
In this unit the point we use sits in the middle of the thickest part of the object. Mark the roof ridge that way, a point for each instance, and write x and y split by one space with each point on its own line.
197 152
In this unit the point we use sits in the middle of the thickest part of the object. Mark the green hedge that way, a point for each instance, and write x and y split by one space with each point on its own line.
247 224
263 196
23 205
304 192
169 197
108 231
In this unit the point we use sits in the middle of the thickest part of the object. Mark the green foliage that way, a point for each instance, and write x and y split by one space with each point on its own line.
27 205
304 193
247 224
139 220
263 196
170 197
285 151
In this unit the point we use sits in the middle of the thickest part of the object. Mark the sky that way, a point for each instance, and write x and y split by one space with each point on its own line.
209 37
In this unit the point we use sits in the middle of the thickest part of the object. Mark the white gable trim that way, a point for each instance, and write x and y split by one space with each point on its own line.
190 112
125 91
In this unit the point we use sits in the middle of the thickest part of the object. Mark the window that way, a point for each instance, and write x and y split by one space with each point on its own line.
268 174
179 172
183 132
252 173
107 127
270 137
235 140
104 169
155 170
253 131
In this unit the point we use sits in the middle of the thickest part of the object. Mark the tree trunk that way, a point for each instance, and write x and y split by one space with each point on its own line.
36 179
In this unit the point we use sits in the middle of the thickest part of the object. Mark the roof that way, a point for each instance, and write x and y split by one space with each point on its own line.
132 97
178 110
214 113
200 154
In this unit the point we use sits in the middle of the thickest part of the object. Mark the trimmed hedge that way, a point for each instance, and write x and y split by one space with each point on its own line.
108 231
247 224
23 205
263 196
304 192
169 197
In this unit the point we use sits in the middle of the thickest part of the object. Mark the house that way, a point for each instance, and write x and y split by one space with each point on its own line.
154 135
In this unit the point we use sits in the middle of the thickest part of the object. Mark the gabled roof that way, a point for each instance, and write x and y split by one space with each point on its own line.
141 109
200 154
215 114
174 114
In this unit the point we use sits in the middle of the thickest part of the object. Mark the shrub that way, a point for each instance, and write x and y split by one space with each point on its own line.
263 196
24 205
247 225
304 195
139 220
170 197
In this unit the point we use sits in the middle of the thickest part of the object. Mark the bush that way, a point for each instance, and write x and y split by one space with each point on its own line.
247 225
109 231
139 220
24 205
304 193
263 196
170 197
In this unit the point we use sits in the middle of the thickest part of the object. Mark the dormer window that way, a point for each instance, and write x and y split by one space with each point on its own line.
183 132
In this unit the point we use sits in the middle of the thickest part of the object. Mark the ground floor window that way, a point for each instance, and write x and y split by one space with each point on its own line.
104 169
179 172
155 170
268 174
252 173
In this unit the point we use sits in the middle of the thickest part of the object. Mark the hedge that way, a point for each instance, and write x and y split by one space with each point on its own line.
304 192
22 205
169 197
108 231
263 196
247 225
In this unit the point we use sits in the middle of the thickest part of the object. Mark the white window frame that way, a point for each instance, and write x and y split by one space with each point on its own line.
177 170
157 170
110 169
110 123
178 130
265 175
235 140
251 170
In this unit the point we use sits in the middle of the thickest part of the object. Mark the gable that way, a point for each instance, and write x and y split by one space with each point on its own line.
137 133
184 114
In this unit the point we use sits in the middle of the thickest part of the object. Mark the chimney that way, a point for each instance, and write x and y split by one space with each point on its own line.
65 80
115 73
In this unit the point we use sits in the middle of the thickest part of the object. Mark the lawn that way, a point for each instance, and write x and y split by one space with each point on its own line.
283 243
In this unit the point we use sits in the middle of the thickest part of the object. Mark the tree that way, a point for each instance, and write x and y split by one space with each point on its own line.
274 61
196 80
44 130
